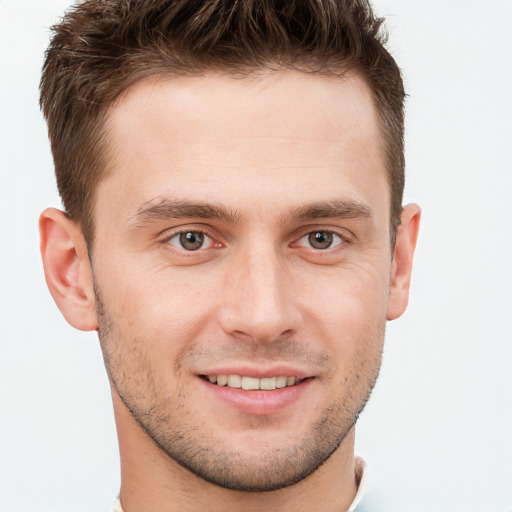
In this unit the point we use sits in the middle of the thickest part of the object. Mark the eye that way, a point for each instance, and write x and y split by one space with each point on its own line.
321 240
190 240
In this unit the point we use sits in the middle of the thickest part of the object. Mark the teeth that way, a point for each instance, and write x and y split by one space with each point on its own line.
250 383
253 383
268 383
281 382
234 381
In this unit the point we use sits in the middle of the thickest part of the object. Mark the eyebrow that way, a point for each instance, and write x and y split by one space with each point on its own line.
167 208
338 209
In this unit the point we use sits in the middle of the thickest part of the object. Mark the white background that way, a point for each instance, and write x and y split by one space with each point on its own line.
437 434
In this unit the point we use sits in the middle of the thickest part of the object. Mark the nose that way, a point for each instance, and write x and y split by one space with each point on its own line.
259 302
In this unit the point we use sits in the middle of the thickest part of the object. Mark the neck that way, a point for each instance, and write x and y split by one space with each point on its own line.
151 480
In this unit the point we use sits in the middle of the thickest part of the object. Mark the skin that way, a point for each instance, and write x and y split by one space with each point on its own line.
257 165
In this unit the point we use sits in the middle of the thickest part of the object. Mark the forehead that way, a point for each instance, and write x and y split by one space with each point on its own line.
218 137
291 103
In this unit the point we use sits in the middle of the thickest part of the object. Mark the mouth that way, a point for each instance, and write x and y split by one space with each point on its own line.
256 391
253 383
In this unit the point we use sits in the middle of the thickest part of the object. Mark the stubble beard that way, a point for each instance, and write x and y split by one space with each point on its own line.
195 447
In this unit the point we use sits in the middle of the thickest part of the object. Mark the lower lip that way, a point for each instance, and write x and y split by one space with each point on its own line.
258 401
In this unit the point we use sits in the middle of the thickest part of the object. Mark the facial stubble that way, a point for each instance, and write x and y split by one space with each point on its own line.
164 417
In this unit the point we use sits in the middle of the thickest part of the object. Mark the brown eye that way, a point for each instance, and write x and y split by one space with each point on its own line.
189 240
320 239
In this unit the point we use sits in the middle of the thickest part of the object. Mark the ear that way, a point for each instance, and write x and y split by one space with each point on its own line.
406 237
67 269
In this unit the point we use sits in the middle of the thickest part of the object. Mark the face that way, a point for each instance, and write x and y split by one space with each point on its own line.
242 269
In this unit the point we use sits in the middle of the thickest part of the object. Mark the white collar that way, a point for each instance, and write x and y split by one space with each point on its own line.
362 481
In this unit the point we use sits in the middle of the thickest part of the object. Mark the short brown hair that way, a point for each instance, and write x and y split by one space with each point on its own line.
101 47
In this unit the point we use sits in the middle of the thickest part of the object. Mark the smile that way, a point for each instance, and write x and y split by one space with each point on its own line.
253 383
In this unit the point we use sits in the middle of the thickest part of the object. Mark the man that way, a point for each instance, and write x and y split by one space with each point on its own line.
232 174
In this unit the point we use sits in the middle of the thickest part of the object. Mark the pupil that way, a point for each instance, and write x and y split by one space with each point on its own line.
321 239
191 240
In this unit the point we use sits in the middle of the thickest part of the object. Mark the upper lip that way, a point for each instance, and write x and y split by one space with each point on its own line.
259 373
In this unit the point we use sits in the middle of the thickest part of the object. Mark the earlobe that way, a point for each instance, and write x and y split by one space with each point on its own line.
67 268
407 235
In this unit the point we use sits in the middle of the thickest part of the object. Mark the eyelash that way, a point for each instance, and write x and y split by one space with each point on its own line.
339 240
336 239
197 231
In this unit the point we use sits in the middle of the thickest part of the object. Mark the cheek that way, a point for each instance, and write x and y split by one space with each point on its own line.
162 313
355 295
165 305
348 315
